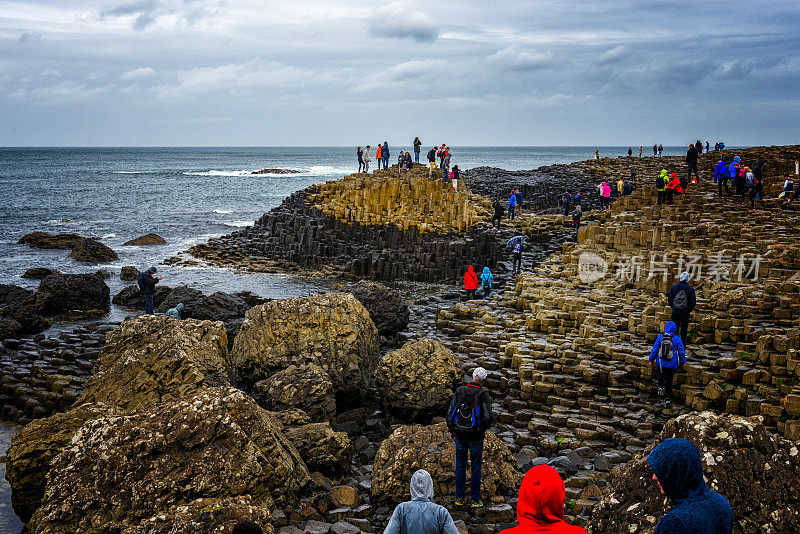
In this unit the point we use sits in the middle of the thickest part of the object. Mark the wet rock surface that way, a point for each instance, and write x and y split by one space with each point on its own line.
62 293
37 273
50 241
276 171
91 251
385 307
129 273
417 381
19 313
306 387
147 239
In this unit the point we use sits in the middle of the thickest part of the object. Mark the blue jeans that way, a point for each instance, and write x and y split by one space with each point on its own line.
148 304
416 157
386 162
475 448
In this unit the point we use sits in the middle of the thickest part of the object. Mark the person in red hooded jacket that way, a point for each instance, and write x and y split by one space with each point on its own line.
540 508
470 282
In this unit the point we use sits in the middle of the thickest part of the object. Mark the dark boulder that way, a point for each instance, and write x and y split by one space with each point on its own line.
147 239
61 293
9 328
387 310
45 240
37 273
191 298
219 306
91 251
18 306
129 273
130 297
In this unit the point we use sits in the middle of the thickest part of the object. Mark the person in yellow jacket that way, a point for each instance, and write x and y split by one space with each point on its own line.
620 187
661 185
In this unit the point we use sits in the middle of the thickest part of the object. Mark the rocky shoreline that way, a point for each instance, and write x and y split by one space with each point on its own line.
311 411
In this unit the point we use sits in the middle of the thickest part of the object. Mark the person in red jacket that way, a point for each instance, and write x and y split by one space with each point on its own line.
470 282
540 508
674 187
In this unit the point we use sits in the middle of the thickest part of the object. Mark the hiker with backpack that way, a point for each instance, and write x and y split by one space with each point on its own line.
667 355
468 418
516 258
576 217
661 186
486 282
421 515
682 299
567 201
147 286
470 282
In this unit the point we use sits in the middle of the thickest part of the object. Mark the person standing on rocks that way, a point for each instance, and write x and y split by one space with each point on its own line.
366 159
758 174
147 285
360 154
469 416
486 282
417 147
678 471
667 355
682 299
470 282
431 161
691 164
660 150
499 211
721 176
516 258
576 217
597 154
540 507
518 197
385 155
630 152
420 515
378 155
640 150
661 186
512 205
655 150
567 201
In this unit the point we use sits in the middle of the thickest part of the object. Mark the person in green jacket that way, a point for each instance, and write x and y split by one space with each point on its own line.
417 147
176 311
661 185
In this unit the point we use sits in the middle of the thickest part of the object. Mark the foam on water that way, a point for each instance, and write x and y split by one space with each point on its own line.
239 224
223 212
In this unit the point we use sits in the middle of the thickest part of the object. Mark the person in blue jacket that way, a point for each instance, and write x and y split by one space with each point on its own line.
678 471
486 282
421 515
733 171
512 205
385 155
667 355
721 174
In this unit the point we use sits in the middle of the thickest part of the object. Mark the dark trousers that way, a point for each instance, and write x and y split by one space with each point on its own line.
475 448
360 165
566 209
496 220
148 304
386 162
486 292
511 211
470 294
668 193
516 262
665 376
661 196
681 320
689 168
723 182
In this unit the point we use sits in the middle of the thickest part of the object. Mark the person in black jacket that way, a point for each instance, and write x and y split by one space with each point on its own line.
147 285
499 212
360 154
682 299
691 164
468 418
431 161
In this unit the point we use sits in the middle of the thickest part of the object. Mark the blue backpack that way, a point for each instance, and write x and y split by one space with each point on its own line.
466 416
140 281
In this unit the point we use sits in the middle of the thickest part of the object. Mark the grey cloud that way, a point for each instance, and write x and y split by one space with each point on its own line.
403 20
521 60
133 8
30 37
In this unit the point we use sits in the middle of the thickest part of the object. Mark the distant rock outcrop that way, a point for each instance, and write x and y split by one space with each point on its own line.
37 273
46 240
276 171
62 293
147 239
91 251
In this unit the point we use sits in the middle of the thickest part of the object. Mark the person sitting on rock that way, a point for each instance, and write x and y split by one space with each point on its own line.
470 282
674 187
469 416
678 471
486 282
540 508
147 285
420 515
668 354
788 187
176 311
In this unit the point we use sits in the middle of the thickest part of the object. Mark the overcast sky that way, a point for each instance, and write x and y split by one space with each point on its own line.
328 72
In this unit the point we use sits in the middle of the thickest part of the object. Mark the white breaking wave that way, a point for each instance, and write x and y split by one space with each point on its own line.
239 224
223 212
217 173
108 236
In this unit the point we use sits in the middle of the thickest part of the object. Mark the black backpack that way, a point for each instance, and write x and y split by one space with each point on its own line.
681 300
140 281
466 416
665 349
431 155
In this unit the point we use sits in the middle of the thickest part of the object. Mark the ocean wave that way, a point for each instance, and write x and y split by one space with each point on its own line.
239 224
128 172
223 212
108 236
61 221
217 173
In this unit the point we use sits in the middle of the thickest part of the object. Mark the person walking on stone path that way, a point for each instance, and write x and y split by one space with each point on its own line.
691 164
512 205
567 201
640 151
678 471
682 299
620 187
721 177
660 150
758 174
470 282
366 159
733 172
469 416
516 258
417 148
576 217
421 515
518 197
540 507
379 156
661 186
147 285
655 150
750 187
667 355
499 212
486 282
431 161
360 155
385 155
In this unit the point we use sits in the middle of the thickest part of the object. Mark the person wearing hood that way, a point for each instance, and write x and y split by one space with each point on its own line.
147 285
682 299
733 171
674 187
605 195
486 282
661 186
176 311
667 355
721 176
420 515
540 507
470 282
512 205
678 471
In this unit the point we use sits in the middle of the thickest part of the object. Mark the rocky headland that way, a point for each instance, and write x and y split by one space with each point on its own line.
311 414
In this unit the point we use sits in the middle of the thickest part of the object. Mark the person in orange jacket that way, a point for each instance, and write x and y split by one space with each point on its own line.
378 156
470 282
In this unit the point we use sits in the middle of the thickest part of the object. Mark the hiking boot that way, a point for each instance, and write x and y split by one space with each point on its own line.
476 504
460 502
660 392
667 402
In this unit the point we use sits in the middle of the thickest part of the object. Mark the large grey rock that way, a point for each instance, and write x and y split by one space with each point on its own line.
91 251
61 293
307 387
